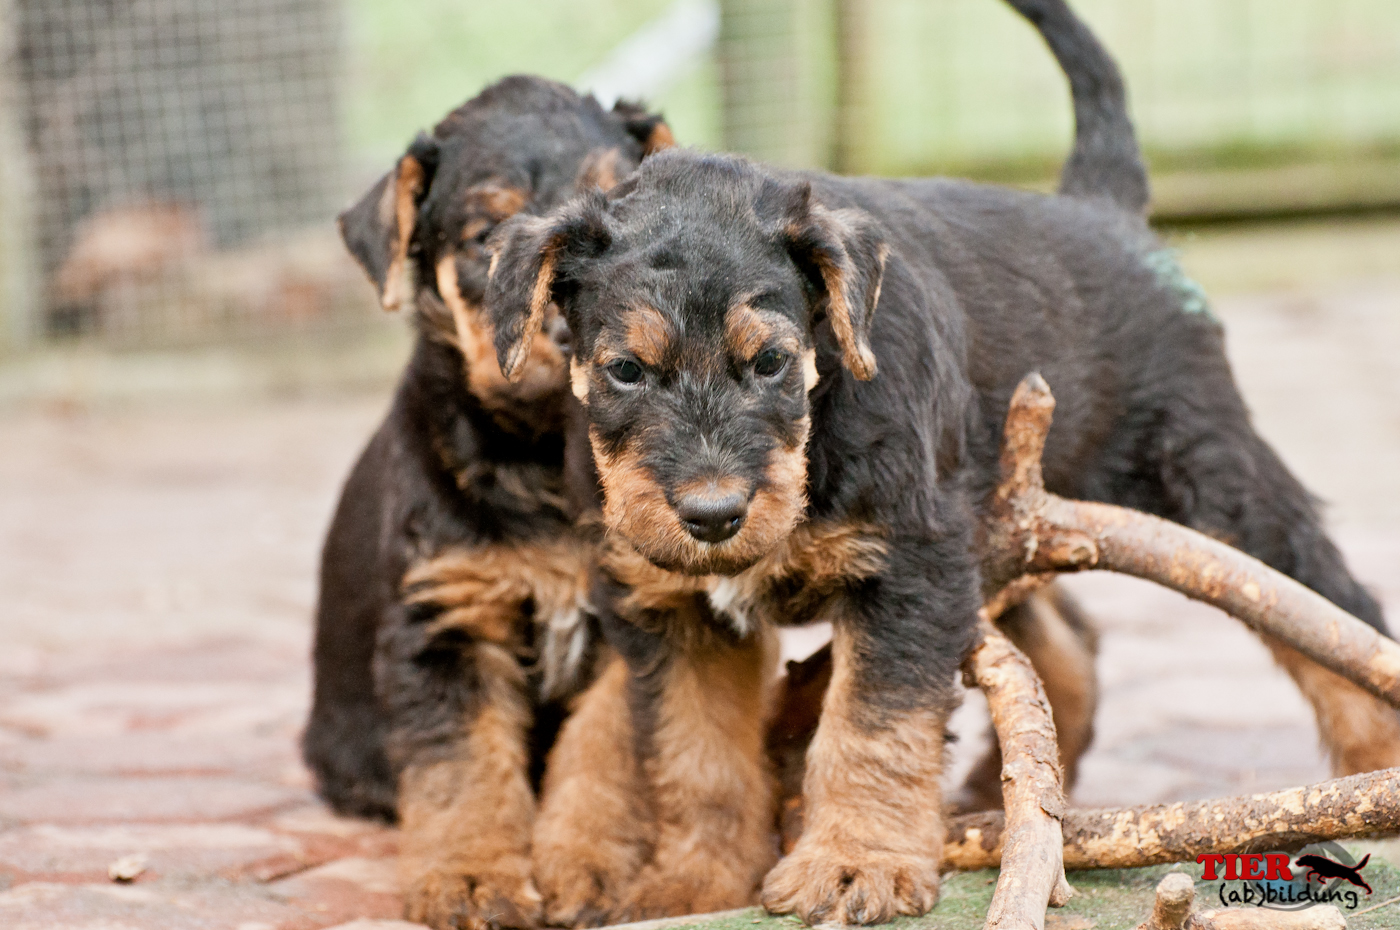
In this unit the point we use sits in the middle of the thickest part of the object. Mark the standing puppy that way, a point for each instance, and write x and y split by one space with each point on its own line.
449 631
794 388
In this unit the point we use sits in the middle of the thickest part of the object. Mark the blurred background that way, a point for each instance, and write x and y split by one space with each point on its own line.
169 169
189 363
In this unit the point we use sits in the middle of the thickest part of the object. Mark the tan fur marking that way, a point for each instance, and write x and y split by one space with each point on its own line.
578 380
779 503
1063 656
746 332
661 138
387 207
408 184
542 373
497 199
709 783
822 557
1054 634
713 487
873 839
855 351
533 325
594 827
475 227
635 506
810 377
648 335
1361 732
599 169
482 591
464 856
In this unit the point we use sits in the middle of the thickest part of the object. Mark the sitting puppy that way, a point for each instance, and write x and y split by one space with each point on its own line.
451 552
793 387
449 631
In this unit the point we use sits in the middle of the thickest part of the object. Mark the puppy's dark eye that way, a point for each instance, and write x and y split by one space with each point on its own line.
770 362
625 371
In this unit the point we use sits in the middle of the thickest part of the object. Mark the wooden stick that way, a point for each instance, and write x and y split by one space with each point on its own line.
1030 534
1172 905
1343 808
1321 917
1032 791
1032 531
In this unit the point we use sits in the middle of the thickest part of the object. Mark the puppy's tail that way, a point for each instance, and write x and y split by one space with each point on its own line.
1106 162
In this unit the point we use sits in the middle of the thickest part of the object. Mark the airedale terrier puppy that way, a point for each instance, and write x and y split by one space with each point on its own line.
793 388
450 633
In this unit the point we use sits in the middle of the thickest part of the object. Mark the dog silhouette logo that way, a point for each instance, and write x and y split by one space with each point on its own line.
1321 873
1325 869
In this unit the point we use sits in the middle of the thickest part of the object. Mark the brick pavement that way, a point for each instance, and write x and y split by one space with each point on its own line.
157 568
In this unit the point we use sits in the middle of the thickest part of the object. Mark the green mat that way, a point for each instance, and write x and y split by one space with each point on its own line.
1106 900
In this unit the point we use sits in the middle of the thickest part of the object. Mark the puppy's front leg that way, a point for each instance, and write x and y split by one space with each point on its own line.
873 838
465 851
700 716
594 827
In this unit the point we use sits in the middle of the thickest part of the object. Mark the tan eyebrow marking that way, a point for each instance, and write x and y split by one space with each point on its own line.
496 199
648 335
746 332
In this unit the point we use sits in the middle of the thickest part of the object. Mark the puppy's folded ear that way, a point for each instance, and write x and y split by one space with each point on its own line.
842 253
650 129
379 228
530 265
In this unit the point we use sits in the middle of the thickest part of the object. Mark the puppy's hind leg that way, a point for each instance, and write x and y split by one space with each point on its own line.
1061 642
1218 476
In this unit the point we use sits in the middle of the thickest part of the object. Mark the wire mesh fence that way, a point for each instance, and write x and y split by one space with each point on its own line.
169 169
182 159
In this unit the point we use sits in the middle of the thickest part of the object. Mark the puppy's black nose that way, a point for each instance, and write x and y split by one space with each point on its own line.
712 519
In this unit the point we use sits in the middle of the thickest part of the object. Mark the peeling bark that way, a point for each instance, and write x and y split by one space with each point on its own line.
1031 531
1032 791
1172 905
1322 917
1343 808
1028 536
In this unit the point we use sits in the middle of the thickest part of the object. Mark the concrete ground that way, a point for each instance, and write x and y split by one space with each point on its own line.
157 567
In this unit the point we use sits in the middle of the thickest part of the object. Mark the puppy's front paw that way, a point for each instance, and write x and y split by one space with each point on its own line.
582 884
846 883
701 885
496 897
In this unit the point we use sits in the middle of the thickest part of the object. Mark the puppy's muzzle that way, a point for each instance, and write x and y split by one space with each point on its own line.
712 518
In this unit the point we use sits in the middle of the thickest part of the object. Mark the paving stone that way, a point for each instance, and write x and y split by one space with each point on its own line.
49 906
324 836
159 686
84 853
70 800
346 888
149 753
106 707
